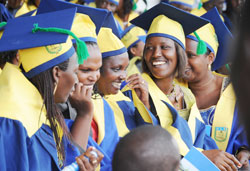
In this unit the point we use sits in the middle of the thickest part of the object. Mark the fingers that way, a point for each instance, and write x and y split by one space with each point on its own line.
229 164
94 156
233 159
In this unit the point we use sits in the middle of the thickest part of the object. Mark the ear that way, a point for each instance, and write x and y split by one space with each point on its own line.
56 74
15 61
210 58
133 51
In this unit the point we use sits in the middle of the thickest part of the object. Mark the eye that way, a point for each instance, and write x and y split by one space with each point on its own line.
116 69
190 55
165 47
84 70
149 48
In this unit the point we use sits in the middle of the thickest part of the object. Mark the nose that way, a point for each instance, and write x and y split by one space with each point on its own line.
123 75
108 7
157 52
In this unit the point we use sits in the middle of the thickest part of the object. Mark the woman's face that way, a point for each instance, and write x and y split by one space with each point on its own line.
89 71
160 57
105 4
66 80
113 72
197 66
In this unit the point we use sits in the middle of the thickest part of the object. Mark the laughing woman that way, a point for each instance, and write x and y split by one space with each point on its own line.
219 109
32 128
164 58
113 73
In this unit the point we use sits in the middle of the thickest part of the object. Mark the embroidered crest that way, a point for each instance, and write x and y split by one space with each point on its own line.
220 134
54 49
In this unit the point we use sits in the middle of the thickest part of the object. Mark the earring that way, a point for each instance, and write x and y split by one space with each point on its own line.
55 89
6 3
209 67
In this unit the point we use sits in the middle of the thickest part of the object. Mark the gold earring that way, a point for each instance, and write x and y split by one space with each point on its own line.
55 89
209 67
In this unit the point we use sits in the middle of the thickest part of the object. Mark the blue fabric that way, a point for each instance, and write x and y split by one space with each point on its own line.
21 152
5 15
238 135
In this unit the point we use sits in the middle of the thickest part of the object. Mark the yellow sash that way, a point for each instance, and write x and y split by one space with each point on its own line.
164 113
25 9
99 118
20 100
132 68
223 118
119 117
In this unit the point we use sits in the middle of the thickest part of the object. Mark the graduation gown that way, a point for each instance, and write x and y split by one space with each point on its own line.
26 140
187 133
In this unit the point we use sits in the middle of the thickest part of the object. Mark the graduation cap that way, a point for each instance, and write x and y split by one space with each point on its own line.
96 15
168 21
187 3
42 40
109 43
110 22
116 2
132 35
216 36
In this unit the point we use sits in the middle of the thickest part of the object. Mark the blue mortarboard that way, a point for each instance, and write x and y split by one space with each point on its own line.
188 21
96 15
224 38
5 15
39 51
111 23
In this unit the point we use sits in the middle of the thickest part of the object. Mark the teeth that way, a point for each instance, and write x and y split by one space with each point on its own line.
116 85
159 63
89 86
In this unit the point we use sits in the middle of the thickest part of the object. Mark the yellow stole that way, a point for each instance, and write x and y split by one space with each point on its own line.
223 118
164 113
132 68
25 9
119 118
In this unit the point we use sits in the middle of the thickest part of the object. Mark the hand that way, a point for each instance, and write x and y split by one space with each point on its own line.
137 83
80 99
243 156
223 160
90 164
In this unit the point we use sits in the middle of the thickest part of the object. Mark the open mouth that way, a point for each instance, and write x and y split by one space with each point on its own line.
158 63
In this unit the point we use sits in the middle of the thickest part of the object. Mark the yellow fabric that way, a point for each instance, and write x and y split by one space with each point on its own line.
161 22
83 26
99 118
29 110
199 12
132 68
164 113
204 1
207 34
188 2
132 36
223 117
132 15
119 118
181 82
107 41
25 9
1 33
92 4
33 57
0 70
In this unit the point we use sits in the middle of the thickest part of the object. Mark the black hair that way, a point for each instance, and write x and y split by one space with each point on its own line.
44 82
8 56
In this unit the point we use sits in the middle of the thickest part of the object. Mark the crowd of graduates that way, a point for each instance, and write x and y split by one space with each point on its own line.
97 85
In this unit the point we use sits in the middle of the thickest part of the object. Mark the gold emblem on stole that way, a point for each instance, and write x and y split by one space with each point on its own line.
220 134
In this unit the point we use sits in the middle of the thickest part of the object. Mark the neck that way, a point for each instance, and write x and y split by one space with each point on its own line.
165 85
205 83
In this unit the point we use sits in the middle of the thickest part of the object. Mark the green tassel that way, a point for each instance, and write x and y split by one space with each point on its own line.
134 6
228 68
201 47
200 5
82 51
2 24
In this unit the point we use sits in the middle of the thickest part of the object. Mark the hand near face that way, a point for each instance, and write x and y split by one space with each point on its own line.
244 156
80 99
90 164
137 83
223 160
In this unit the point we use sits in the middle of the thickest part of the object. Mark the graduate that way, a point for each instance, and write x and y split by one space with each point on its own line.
113 73
100 119
30 119
186 5
219 109
134 38
164 58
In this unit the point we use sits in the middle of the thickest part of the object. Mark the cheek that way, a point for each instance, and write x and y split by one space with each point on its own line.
82 77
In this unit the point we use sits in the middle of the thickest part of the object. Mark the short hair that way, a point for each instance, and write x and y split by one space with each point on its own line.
146 148
181 61
7 56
